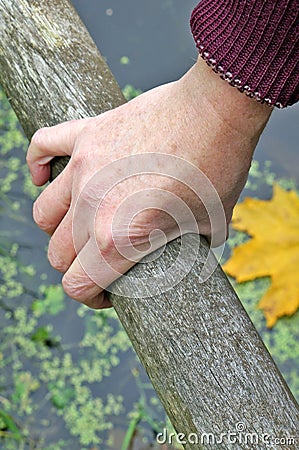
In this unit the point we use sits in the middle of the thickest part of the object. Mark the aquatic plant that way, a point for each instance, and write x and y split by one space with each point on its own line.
62 382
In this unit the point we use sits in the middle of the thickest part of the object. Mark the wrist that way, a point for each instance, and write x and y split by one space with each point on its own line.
239 112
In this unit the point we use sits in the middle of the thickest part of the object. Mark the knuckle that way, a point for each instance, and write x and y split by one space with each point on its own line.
39 217
105 239
144 223
72 288
86 145
39 137
56 261
69 287
78 159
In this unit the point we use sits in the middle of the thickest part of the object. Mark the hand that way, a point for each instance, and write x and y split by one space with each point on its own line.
103 209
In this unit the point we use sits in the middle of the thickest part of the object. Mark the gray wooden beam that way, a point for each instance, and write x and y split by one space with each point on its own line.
204 357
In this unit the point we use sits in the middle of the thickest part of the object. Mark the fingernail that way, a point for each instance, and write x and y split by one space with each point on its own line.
45 160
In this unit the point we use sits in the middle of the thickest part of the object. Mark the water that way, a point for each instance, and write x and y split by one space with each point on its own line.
154 35
147 44
279 142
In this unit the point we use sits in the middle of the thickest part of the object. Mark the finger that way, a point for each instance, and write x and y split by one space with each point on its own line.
77 285
90 273
53 203
46 143
99 302
61 250
106 302
69 237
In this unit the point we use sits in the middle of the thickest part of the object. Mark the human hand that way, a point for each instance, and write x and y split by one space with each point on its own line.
196 134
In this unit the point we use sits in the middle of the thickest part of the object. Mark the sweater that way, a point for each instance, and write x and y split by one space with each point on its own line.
253 45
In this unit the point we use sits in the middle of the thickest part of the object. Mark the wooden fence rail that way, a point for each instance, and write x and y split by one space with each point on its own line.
204 357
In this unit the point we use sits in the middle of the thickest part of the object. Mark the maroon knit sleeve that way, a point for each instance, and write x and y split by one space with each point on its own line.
253 44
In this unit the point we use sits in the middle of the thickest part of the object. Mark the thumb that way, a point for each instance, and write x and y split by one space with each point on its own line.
48 142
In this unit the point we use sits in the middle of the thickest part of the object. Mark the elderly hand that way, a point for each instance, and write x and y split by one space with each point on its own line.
173 159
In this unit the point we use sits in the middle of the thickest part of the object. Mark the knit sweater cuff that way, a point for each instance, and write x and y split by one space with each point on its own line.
254 45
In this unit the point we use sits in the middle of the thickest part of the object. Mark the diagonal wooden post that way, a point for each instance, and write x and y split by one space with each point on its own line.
216 380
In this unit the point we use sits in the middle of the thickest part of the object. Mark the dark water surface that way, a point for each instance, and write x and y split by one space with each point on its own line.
147 44
154 35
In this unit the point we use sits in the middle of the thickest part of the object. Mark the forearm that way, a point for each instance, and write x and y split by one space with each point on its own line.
254 45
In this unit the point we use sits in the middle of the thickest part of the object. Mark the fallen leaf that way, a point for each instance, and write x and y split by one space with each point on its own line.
273 250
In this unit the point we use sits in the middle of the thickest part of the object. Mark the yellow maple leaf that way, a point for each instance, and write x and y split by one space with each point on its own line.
273 250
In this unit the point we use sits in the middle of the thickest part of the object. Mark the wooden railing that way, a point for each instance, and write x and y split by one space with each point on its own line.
204 357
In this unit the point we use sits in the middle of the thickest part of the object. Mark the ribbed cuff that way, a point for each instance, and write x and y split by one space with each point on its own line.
252 44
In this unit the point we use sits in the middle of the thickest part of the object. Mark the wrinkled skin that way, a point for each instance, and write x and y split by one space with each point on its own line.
199 119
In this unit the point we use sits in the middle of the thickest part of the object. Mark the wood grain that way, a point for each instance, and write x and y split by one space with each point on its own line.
200 349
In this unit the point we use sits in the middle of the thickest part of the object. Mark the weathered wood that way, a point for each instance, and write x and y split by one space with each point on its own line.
52 57
200 349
